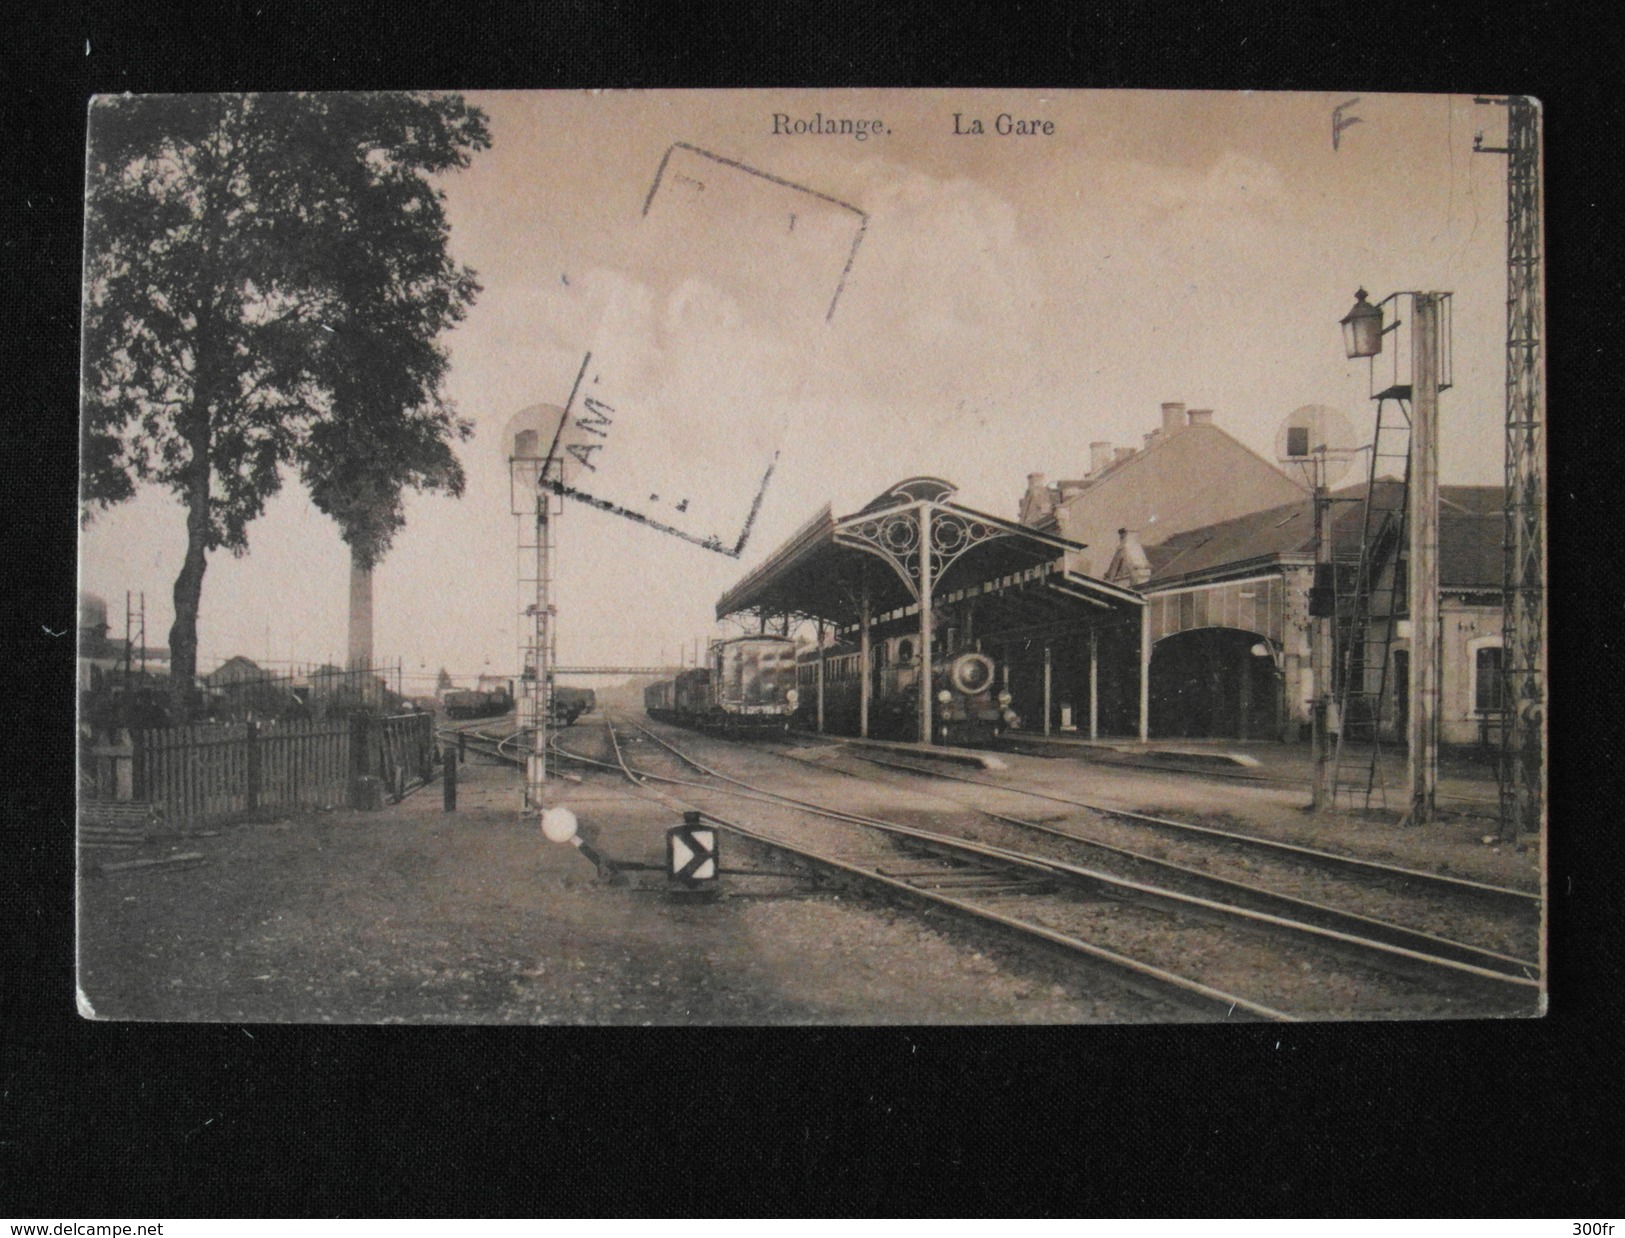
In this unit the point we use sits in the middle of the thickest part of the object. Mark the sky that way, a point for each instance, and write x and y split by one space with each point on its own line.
1013 298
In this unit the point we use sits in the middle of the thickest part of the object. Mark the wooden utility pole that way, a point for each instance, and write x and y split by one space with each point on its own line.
1322 613
1422 731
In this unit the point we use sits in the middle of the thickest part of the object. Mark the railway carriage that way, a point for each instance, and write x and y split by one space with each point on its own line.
570 703
748 688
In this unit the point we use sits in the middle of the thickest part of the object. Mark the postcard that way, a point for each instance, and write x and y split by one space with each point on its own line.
784 557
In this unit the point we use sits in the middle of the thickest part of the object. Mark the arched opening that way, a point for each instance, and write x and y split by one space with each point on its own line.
1209 683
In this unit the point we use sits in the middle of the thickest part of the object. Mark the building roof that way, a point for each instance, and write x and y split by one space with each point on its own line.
1470 538
1136 461
1471 552
822 570
235 669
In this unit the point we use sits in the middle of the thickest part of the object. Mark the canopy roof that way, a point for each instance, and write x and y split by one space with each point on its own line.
822 571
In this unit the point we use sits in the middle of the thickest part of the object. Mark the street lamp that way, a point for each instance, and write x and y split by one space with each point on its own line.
1418 375
1362 328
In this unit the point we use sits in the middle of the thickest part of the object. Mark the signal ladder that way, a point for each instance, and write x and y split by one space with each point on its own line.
1369 619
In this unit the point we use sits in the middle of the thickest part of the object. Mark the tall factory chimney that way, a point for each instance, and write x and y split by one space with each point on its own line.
360 634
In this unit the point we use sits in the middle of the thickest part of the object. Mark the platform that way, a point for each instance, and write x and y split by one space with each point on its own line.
1216 752
1466 777
935 752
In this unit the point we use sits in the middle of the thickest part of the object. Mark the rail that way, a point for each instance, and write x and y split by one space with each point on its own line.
1389 945
1163 983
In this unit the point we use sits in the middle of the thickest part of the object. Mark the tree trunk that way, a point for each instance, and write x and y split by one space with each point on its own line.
188 592
360 612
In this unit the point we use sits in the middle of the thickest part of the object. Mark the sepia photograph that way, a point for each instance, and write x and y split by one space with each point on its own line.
796 557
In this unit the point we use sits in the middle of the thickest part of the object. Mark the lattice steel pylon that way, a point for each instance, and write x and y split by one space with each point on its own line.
1523 636
538 650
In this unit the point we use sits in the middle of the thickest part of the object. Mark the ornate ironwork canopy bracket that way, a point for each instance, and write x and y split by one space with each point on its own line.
895 538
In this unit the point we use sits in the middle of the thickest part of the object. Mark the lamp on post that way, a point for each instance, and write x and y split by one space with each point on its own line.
1414 379
1362 328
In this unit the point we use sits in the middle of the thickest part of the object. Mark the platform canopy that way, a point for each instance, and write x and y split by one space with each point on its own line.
913 539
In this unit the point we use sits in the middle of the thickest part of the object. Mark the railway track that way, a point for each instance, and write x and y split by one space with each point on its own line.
942 873
1194 876
1502 898
982 873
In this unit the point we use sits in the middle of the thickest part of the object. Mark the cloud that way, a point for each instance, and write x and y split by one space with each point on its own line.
946 302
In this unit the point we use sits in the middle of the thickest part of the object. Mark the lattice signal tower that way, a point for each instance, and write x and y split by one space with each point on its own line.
1523 656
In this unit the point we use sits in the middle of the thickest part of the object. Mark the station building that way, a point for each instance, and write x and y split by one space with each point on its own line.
1188 473
1226 647
1164 595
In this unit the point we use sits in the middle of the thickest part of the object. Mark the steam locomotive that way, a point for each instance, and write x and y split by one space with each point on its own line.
483 702
748 687
494 697
968 707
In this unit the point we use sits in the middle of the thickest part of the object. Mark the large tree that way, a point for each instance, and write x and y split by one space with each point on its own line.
267 281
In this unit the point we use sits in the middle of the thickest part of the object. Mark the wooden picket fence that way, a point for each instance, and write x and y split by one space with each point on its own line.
202 773
195 774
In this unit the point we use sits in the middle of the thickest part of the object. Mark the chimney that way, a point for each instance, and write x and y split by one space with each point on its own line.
1201 416
1037 502
1121 453
1100 455
1173 417
1150 438
1131 558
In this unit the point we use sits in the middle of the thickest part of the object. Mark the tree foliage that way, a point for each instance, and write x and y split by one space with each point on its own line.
267 281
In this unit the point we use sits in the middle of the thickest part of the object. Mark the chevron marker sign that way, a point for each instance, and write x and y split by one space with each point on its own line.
691 851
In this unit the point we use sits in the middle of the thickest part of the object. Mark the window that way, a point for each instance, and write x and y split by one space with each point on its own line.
1487 679
905 651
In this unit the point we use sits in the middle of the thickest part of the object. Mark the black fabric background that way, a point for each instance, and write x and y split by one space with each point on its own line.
1450 1120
